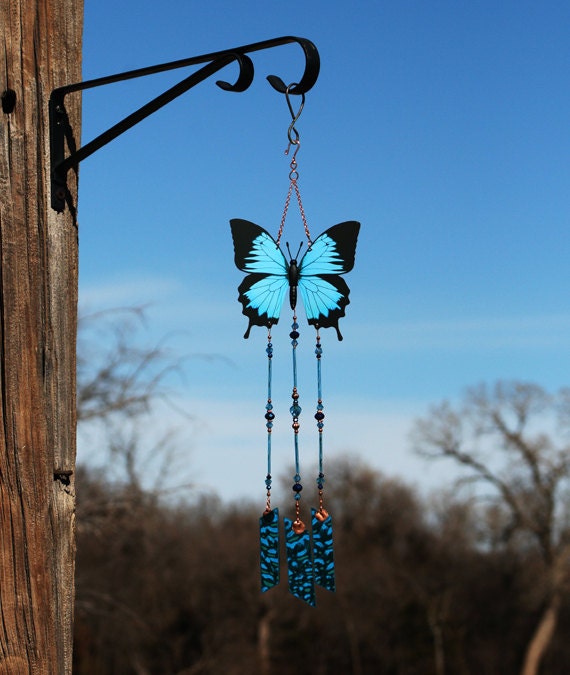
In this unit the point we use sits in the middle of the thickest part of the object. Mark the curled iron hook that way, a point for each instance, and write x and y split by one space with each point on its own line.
312 67
245 77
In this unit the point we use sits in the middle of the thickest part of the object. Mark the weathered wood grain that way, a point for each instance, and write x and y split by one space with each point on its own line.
40 49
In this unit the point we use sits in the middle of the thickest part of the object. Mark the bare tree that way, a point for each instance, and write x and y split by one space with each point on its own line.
115 374
120 381
512 440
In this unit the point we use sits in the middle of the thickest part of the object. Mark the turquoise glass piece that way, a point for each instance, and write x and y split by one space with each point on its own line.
299 564
295 410
323 562
269 549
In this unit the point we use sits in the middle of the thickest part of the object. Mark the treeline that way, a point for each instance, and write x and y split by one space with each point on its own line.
425 586
472 582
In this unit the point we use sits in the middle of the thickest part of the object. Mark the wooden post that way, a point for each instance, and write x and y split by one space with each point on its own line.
40 49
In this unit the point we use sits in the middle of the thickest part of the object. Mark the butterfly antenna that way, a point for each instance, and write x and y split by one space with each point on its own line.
289 251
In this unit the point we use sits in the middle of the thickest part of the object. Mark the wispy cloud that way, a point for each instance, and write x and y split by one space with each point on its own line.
223 448
128 291
209 303
226 441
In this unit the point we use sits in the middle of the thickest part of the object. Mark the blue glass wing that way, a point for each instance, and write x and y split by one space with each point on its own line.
263 290
324 292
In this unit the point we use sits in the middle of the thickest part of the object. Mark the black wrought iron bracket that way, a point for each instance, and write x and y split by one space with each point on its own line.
60 129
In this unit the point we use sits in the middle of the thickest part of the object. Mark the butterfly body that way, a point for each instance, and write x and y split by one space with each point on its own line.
293 276
316 276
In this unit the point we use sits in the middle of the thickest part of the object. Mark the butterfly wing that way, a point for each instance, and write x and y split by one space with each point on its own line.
324 292
263 290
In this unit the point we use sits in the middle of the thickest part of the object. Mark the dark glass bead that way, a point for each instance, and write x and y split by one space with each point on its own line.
297 487
294 334
269 415
318 416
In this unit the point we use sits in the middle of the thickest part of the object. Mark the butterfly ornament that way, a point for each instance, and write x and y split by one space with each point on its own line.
317 279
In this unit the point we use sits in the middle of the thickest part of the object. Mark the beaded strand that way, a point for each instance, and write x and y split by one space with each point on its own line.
320 416
295 410
269 416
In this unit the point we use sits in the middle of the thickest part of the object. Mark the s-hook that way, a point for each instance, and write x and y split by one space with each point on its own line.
60 129
292 133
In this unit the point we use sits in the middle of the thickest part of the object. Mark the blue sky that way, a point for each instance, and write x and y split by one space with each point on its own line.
441 126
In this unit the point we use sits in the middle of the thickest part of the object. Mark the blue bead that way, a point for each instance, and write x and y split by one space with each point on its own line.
320 406
297 487
294 325
269 415
320 425
297 478
269 425
295 410
318 416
